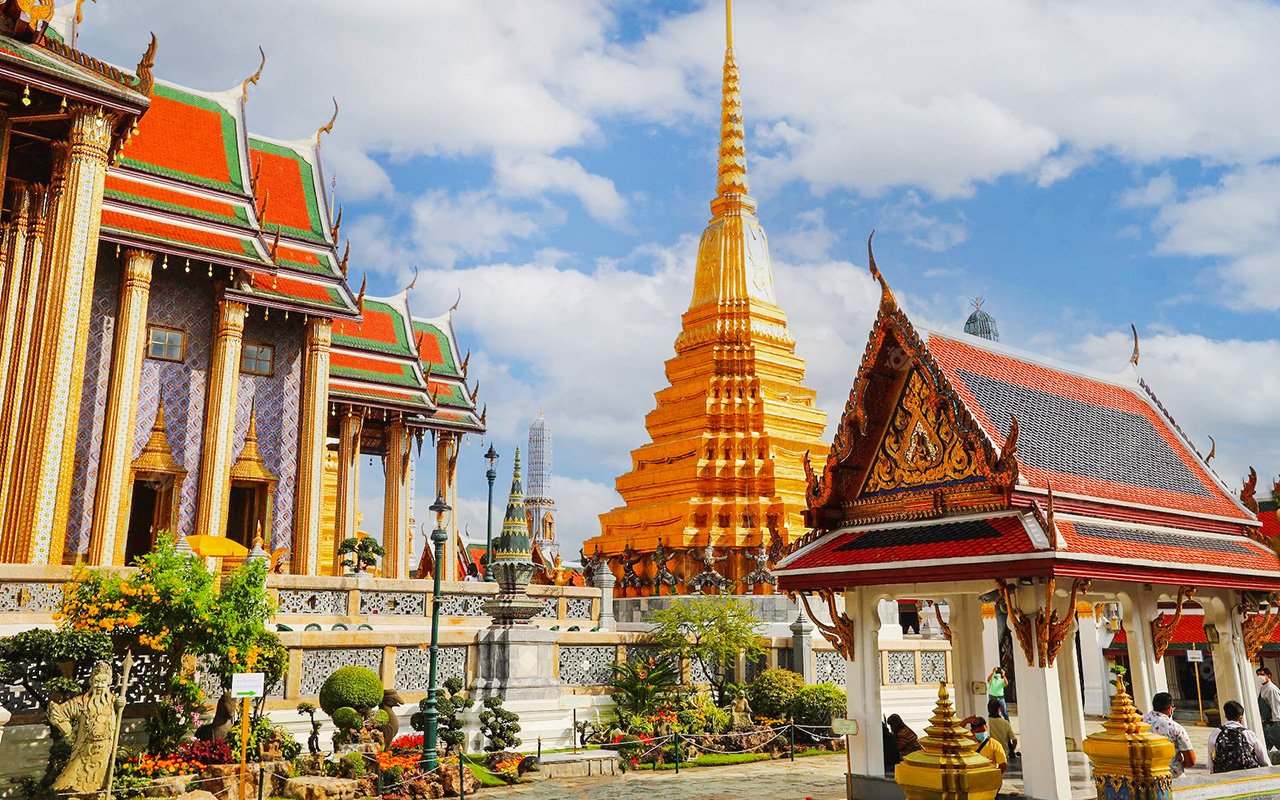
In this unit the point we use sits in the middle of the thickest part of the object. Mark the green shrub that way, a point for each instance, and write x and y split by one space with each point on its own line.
817 705
499 726
357 687
347 719
352 765
773 693
379 718
263 733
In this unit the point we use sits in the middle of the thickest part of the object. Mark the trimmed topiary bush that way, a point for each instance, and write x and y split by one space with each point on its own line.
773 693
817 705
347 719
357 687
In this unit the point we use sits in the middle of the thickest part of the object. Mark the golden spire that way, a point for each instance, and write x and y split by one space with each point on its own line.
732 170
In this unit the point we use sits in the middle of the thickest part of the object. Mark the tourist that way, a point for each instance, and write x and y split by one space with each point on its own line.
1234 747
1161 720
987 745
996 684
1000 728
1269 707
906 739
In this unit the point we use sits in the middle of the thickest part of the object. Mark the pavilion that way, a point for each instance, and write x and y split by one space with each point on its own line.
968 472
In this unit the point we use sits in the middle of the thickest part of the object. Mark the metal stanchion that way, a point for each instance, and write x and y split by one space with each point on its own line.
462 782
677 752
793 740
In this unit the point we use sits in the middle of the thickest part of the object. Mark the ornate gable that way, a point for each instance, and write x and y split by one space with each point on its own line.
906 446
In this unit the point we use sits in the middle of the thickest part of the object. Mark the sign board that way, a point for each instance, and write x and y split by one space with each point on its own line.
844 727
1195 656
248 684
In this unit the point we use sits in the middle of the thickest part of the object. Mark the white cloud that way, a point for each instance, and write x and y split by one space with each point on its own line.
1223 388
1236 221
927 231
532 175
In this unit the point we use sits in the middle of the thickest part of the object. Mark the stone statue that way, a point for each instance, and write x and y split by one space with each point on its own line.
741 713
761 574
628 560
710 576
390 701
89 723
664 577
220 725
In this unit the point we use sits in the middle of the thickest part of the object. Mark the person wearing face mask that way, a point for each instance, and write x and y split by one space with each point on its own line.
987 746
1269 707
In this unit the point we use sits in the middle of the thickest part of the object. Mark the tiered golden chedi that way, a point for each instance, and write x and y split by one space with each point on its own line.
725 467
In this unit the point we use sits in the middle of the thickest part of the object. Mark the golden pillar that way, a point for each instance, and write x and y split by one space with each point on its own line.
948 766
395 499
314 423
1128 760
52 411
113 494
214 491
14 435
446 487
350 429
15 248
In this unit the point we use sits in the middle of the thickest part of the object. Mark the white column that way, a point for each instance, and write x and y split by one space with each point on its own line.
968 661
802 648
990 638
1069 684
1232 670
890 628
862 681
1094 665
1148 675
604 581
1043 734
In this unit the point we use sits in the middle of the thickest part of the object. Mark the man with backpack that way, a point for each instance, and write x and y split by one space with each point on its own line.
1269 707
1234 747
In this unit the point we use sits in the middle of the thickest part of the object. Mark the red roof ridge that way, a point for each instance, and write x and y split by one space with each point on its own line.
1118 379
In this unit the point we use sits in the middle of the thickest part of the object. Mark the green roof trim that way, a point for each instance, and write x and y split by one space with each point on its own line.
406 376
230 144
402 346
448 365
240 218
317 232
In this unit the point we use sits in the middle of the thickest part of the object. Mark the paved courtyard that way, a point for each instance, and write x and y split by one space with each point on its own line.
819 778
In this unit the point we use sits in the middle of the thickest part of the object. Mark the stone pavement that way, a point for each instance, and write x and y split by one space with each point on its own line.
818 777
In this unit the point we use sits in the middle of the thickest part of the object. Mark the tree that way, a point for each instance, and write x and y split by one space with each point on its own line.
711 632
360 553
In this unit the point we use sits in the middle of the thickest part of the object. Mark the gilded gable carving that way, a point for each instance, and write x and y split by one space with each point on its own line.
921 447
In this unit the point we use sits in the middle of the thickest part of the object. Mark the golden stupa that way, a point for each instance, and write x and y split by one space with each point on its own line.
725 468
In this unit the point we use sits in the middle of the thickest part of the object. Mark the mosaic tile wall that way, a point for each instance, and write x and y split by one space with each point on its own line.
278 397
93 402
178 301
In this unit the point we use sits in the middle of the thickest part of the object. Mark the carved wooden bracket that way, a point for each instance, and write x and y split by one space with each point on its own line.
937 610
841 630
1048 629
1258 627
1162 630
1019 623
1053 629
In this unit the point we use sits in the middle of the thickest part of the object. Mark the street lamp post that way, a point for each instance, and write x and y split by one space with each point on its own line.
430 715
491 475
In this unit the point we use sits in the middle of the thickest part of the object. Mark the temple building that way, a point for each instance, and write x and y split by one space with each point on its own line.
724 475
178 341
994 481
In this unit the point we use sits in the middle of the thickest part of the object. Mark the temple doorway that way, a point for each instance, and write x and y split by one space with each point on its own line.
150 511
247 511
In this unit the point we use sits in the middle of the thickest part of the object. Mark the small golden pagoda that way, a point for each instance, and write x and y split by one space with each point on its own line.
722 484
1128 760
947 766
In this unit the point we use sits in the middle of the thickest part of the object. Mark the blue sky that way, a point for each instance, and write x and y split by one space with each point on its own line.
1082 166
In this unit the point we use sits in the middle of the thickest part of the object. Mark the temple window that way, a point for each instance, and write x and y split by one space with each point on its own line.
166 344
257 359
